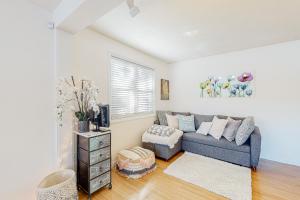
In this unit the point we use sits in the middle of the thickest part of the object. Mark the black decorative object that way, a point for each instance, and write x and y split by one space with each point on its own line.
102 119
105 116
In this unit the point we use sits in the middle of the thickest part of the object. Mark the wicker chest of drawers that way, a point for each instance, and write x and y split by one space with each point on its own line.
93 161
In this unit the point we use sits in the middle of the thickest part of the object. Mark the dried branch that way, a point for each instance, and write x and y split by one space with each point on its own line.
76 95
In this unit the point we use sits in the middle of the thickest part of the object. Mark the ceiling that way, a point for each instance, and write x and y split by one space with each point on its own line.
176 30
49 5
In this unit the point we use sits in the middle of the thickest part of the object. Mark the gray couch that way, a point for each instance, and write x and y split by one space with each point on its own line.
164 151
246 155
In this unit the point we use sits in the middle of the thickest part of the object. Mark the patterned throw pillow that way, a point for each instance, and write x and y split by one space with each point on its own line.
245 130
204 128
217 128
231 129
186 123
172 121
161 115
160 130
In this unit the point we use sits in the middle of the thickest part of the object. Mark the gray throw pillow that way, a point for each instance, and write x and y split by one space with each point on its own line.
231 129
161 115
245 130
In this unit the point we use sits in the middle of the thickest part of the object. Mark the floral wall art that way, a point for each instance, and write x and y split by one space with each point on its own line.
231 86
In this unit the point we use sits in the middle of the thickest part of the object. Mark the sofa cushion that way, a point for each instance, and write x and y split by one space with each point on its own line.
222 143
181 113
234 118
202 118
161 115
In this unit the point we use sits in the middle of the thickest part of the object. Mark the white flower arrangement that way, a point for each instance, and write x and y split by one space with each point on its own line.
80 99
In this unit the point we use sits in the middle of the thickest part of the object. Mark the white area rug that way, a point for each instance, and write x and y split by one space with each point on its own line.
228 180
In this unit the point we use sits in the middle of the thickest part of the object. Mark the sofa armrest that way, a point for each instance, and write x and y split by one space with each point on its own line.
156 122
255 145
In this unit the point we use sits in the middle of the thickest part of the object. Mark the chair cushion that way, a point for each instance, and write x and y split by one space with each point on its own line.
222 143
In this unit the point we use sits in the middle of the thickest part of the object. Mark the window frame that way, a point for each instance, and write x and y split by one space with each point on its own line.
135 115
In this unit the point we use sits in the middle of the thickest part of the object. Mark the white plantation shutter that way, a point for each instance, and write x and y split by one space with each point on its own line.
132 89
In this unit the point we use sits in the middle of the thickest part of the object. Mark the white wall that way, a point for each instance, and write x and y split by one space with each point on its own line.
27 99
93 62
275 104
65 67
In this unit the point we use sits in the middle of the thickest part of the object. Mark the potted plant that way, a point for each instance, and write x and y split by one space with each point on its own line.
78 96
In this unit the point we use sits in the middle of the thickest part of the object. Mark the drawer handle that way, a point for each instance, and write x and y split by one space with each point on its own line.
101 155
98 169
101 143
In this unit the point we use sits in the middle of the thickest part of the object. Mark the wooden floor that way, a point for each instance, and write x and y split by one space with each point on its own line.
272 181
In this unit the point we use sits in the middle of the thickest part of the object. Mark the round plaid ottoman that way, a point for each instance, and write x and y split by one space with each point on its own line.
135 162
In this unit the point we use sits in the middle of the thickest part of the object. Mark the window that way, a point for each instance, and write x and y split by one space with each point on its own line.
132 89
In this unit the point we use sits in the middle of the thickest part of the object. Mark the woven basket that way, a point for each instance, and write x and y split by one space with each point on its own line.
60 185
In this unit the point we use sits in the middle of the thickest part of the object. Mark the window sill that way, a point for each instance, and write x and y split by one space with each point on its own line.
117 121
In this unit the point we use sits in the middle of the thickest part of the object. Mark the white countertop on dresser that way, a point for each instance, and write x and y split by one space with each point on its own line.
92 133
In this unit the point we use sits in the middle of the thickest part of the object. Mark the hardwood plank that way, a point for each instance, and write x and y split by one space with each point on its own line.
271 181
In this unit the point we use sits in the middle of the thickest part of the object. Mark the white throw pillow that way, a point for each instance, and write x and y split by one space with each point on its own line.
204 128
217 128
172 121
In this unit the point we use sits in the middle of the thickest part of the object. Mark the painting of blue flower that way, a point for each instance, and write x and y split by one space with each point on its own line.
232 86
